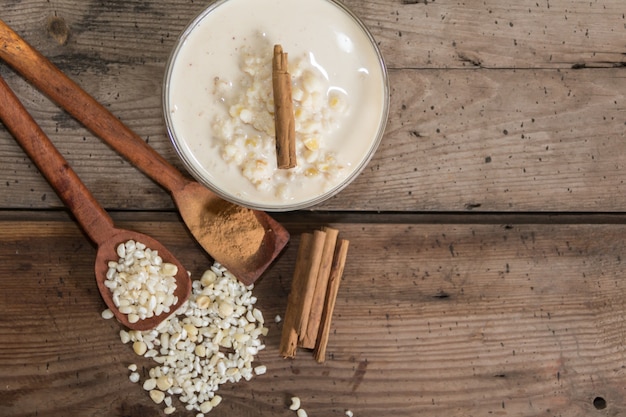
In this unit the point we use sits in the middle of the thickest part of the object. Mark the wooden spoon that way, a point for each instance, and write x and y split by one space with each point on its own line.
204 213
94 220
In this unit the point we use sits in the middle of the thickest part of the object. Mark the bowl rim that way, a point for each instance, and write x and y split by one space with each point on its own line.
273 207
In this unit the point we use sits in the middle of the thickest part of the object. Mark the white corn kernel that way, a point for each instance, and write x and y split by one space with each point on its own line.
121 250
200 351
216 400
206 407
140 348
164 383
169 269
208 278
157 396
191 330
203 302
107 314
149 384
295 403
246 116
225 309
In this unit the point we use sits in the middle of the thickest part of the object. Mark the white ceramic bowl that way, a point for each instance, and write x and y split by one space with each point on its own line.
321 34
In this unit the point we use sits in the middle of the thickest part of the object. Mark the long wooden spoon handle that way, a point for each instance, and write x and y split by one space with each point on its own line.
50 80
90 215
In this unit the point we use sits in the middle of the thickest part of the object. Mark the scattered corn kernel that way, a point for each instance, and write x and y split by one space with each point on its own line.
157 396
164 382
295 403
208 278
191 330
225 309
149 384
200 351
107 314
216 400
206 407
140 348
124 336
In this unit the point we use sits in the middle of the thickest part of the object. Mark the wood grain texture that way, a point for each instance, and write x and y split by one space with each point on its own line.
494 288
496 34
535 327
521 140
476 122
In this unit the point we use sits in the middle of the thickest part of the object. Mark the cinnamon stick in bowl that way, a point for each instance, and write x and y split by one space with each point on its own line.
284 119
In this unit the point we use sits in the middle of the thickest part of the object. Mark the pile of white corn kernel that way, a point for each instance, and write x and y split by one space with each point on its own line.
141 284
247 137
211 340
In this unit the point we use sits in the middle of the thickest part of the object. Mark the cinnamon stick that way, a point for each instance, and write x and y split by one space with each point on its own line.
309 337
302 289
339 261
311 274
284 121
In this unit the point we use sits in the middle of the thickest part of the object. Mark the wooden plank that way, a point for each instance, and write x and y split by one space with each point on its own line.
431 320
496 34
445 148
456 140
522 140
424 34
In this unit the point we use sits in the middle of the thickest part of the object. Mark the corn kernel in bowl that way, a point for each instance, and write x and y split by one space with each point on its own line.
219 104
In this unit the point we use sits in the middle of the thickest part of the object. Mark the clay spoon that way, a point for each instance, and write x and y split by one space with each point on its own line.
90 215
204 213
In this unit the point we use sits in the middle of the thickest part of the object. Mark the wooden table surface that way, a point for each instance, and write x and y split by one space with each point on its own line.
486 274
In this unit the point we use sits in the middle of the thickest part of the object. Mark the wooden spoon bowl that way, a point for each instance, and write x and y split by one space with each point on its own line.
107 251
90 215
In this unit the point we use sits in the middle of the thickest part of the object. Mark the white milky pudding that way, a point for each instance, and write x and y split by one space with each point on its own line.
219 104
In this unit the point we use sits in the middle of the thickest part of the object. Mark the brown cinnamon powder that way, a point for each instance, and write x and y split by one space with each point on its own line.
244 233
